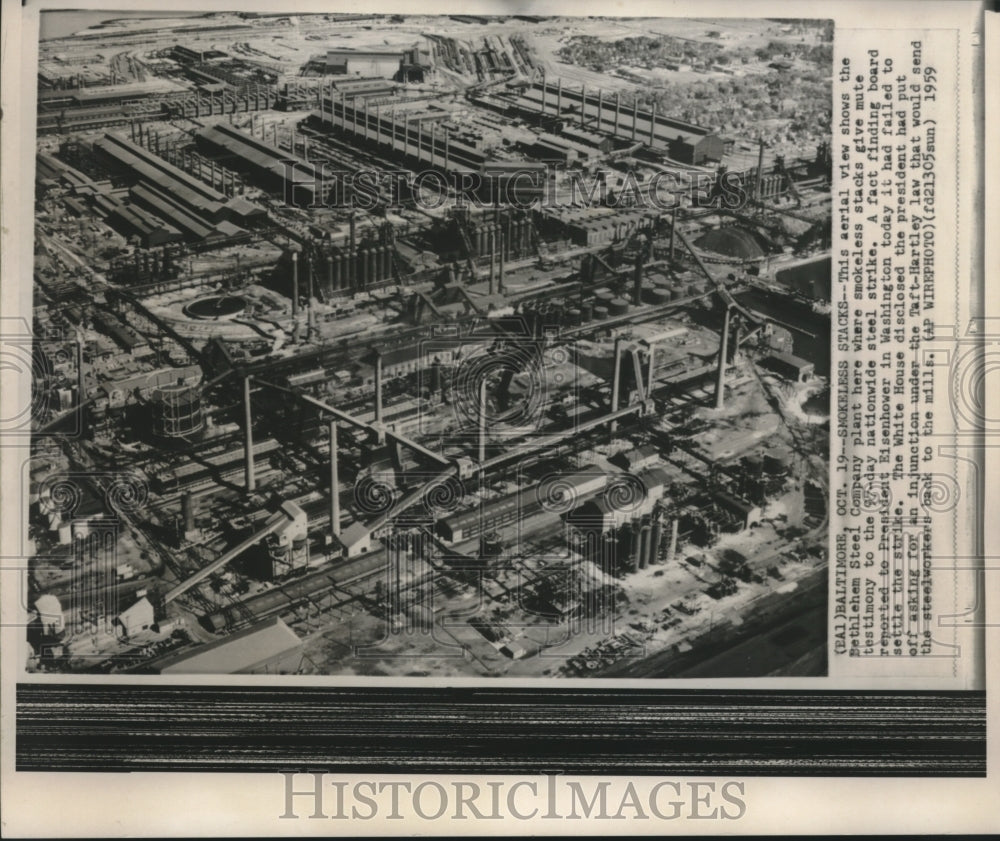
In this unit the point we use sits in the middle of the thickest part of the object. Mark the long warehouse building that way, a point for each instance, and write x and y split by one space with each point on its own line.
278 169
405 133
682 141
196 197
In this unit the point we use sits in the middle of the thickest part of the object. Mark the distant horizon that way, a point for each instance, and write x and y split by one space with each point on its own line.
61 23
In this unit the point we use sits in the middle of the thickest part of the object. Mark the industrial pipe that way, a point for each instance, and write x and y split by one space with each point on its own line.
334 481
720 386
250 476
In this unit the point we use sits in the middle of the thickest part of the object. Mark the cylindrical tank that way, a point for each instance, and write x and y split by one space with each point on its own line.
187 511
372 264
387 261
644 536
490 545
586 312
600 312
657 541
335 271
659 296
618 306
604 296
362 263
177 411
573 317
632 553
776 461
609 554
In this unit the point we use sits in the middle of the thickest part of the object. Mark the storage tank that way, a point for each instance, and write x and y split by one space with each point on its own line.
490 545
657 541
618 306
177 410
644 538
573 317
600 312
362 262
586 312
659 296
334 270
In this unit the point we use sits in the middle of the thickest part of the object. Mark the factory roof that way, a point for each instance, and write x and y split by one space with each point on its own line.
240 653
151 168
120 332
733 503
654 477
134 217
335 55
256 152
164 206
641 453
789 359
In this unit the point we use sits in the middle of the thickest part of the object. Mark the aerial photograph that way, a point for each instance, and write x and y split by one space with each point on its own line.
429 346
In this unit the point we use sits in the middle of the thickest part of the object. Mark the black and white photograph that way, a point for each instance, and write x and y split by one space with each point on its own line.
431 346
508 419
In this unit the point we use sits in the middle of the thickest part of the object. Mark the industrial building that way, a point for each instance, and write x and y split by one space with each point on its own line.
184 203
405 65
299 181
268 648
573 489
602 113
417 135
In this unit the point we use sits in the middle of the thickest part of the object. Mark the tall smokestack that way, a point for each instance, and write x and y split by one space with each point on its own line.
616 381
309 303
583 105
720 386
351 254
334 481
760 170
618 108
295 284
649 374
673 539
637 281
673 229
378 387
500 275
482 420
249 475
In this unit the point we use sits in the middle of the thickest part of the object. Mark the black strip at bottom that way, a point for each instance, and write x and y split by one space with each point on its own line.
516 731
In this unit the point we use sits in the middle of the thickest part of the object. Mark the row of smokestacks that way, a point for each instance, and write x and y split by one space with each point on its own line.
515 238
614 110
632 546
346 269
217 176
431 144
